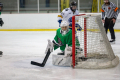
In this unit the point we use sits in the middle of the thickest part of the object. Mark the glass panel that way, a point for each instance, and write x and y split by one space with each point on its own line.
66 4
45 6
48 6
114 1
119 5
28 6
9 6
85 5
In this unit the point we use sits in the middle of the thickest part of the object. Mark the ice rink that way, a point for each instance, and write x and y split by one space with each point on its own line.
19 48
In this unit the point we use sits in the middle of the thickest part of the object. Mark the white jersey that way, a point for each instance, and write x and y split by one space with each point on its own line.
66 14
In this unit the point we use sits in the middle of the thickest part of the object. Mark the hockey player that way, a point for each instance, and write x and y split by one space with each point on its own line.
1 22
63 37
1 8
67 14
110 13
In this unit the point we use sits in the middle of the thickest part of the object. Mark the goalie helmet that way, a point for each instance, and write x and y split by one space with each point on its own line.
64 27
64 23
73 3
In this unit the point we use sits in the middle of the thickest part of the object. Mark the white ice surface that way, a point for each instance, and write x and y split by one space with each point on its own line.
19 48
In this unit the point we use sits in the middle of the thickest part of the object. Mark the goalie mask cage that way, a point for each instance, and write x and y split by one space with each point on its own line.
94 42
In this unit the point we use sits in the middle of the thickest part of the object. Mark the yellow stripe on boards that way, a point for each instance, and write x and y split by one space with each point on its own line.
116 30
28 29
96 30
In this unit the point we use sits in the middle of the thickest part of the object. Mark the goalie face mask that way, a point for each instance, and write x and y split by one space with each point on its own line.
64 27
64 30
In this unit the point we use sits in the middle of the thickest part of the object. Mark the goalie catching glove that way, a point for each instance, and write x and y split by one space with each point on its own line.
49 46
68 49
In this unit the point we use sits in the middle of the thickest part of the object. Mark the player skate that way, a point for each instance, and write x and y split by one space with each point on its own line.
112 41
1 53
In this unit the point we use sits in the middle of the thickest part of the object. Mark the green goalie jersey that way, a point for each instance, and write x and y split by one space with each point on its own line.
61 40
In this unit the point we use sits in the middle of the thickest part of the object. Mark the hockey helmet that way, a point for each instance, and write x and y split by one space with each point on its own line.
73 3
64 27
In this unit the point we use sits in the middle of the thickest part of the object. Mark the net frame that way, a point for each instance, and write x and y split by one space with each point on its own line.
113 60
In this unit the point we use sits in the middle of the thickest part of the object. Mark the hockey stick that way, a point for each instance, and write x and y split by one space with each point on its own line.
44 61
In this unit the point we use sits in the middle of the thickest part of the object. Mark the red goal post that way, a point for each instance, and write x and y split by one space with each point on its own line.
73 38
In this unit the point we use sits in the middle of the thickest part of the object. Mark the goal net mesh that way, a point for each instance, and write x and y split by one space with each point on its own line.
94 43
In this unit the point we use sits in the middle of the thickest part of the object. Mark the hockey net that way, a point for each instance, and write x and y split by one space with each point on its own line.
94 42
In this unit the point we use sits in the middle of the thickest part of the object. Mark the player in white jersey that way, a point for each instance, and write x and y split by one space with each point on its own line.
67 13
1 22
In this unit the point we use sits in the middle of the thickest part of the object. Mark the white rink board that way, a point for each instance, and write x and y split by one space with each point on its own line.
36 21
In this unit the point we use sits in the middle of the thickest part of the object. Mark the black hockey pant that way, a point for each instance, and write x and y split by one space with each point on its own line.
109 25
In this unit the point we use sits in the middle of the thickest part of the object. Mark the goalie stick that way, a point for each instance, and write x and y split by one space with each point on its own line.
44 61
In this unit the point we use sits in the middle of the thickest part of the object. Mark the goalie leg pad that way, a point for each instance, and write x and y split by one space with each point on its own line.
60 60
